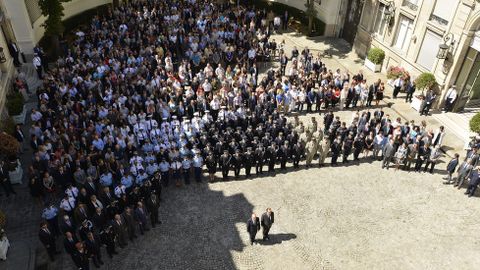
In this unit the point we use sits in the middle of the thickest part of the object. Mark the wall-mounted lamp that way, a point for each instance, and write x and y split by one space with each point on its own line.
446 47
3 59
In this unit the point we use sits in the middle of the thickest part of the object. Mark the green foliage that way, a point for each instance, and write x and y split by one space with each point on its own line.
53 11
7 125
426 80
475 123
376 55
15 103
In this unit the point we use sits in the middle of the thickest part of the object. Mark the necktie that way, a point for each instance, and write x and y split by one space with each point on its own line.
71 206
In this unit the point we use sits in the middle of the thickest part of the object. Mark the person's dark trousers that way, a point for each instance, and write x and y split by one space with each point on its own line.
143 228
318 105
296 161
345 157
259 168
165 178
426 109
334 159
347 103
7 186
283 164
471 190
186 176
271 166
369 102
448 106
53 225
237 172
39 72
52 250
265 232
225 174
396 90
154 218
97 259
110 249
198 174
252 238
386 162
356 153
248 169
354 102
431 164
309 106
409 97
418 165
282 69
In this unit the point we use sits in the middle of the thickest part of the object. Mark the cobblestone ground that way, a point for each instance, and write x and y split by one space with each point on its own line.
355 216
352 217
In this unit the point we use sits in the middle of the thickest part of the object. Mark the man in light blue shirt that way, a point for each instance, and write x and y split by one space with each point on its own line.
106 179
50 214
127 180
197 166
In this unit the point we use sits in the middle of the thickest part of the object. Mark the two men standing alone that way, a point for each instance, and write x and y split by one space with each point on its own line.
253 225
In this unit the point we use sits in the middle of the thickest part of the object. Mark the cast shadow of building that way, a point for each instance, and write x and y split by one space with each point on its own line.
199 230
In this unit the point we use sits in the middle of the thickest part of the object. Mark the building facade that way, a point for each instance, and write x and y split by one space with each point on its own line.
331 12
27 19
7 69
437 36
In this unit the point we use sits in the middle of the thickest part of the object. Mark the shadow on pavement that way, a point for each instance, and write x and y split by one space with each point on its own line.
278 238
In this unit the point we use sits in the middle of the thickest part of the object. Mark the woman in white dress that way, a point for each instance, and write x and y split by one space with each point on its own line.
4 245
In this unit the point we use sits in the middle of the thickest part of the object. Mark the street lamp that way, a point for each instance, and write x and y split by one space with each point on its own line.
446 47
3 59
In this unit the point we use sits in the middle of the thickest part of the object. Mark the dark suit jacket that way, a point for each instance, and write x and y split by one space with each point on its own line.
47 239
70 246
253 228
64 227
93 247
266 220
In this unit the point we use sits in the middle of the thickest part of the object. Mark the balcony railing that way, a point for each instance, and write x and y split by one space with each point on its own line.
439 20
410 5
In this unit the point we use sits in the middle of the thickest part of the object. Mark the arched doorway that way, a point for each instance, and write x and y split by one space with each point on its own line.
468 77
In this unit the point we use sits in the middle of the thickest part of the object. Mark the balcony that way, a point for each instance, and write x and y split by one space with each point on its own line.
410 5
439 20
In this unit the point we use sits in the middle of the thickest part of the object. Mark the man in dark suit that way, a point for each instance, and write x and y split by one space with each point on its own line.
69 243
153 203
253 226
5 179
267 222
80 257
474 181
93 245
120 230
141 217
388 153
48 240
19 136
67 225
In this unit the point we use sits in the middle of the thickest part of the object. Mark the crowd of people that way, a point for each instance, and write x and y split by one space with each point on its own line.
155 92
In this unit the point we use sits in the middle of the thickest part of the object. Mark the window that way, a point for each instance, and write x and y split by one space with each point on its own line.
404 34
380 21
428 51
443 11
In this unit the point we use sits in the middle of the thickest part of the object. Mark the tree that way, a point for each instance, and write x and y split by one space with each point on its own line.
311 14
53 11
426 80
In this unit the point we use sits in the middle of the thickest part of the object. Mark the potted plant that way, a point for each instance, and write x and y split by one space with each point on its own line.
374 59
9 150
16 107
396 72
426 80
475 123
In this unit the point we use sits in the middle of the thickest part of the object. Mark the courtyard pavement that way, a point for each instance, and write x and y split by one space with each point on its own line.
356 216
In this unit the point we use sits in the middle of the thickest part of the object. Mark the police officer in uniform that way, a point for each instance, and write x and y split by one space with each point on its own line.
225 163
